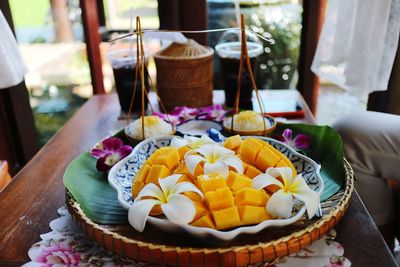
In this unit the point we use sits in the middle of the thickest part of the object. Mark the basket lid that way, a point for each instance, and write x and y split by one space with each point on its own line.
189 50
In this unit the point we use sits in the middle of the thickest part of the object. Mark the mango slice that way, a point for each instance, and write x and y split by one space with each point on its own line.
252 172
204 221
219 199
201 209
206 184
285 162
156 172
266 159
237 181
233 142
169 157
249 150
252 197
136 187
226 218
253 215
182 151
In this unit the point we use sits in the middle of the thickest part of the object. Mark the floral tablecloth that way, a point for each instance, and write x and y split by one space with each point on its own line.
66 245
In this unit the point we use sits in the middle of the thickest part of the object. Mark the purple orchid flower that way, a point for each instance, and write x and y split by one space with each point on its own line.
215 113
174 119
185 113
301 141
108 152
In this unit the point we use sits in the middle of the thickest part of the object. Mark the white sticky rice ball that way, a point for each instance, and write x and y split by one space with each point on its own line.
153 126
248 121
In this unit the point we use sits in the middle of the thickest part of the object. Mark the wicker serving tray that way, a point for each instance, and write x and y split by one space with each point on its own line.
156 247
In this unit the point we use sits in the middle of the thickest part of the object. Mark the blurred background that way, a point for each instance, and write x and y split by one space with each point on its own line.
51 38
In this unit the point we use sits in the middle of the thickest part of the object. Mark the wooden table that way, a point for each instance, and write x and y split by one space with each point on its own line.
31 200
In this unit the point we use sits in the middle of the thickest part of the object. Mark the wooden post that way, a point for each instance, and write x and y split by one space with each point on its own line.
180 15
62 23
313 18
194 16
18 135
90 21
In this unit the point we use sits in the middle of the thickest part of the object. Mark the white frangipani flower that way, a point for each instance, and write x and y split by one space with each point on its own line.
175 206
281 202
216 159
191 141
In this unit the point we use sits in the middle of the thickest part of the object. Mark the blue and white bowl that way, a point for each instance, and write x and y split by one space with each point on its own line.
121 175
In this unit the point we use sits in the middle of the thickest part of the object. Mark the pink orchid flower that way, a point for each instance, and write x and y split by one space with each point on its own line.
185 113
301 141
109 152
215 113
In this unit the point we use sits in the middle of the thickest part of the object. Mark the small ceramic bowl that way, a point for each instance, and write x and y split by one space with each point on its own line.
133 141
270 124
196 127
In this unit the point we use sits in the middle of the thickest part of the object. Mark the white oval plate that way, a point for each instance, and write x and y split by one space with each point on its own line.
197 127
121 175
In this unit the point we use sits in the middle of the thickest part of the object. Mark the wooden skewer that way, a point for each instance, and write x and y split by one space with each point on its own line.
244 57
141 67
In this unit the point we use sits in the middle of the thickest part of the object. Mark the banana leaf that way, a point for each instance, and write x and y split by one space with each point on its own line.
91 190
326 149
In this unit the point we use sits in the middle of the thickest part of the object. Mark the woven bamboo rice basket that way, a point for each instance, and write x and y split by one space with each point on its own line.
154 247
185 75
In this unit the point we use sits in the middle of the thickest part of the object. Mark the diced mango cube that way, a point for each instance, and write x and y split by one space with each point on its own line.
285 162
184 178
265 197
141 175
168 157
261 142
204 221
182 169
156 172
199 170
245 166
226 218
252 172
182 151
237 181
201 209
249 150
156 210
253 215
136 187
233 142
251 196
210 183
219 199
277 152
266 159
193 196
152 159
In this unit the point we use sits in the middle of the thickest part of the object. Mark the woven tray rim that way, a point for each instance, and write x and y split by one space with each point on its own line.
335 214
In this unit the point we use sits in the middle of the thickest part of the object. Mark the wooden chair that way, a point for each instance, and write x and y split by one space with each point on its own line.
5 177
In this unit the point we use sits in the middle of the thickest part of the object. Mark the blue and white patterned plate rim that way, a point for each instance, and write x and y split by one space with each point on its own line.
203 231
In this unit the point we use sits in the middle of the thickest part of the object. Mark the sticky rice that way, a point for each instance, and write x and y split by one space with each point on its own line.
248 121
153 126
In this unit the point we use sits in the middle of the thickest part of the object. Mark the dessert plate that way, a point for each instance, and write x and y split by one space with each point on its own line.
121 175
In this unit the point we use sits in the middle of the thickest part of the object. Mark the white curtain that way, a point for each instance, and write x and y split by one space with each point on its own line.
358 44
12 68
